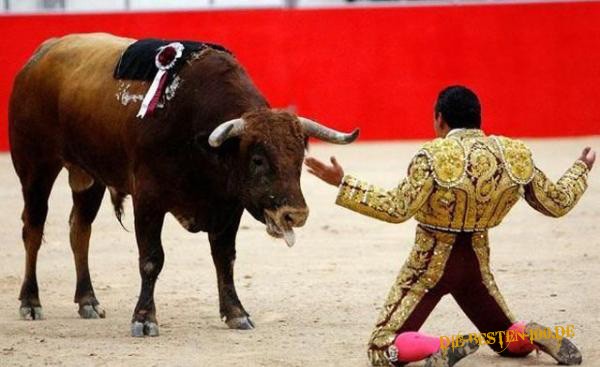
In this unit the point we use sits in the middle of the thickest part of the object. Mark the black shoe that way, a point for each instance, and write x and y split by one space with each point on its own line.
563 350
450 356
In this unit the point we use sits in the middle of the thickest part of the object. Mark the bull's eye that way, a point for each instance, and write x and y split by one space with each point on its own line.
258 161
259 164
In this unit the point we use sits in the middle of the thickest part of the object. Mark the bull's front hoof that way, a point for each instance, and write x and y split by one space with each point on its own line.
240 323
139 329
91 312
31 313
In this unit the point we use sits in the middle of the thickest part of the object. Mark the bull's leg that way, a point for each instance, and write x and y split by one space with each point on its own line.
85 207
222 245
37 185
148 227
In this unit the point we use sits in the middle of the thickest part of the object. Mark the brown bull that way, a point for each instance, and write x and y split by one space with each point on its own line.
213 150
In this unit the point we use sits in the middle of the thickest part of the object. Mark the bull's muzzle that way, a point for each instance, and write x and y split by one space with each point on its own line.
281 221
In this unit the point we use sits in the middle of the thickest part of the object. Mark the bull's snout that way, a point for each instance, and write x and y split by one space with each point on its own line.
292 217
281 221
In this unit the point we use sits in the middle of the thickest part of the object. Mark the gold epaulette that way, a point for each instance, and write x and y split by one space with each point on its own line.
447 158
516 157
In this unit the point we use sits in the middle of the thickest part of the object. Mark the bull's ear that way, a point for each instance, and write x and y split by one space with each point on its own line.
200 149
200 141
306 139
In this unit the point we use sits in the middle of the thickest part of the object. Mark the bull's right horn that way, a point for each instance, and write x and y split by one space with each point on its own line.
226 130
316 130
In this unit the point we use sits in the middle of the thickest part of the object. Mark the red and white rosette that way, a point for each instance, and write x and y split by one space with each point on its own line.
165 60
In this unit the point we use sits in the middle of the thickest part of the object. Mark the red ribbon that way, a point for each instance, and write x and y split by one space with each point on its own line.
159 91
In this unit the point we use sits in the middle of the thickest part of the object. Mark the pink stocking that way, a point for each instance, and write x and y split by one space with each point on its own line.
414 346
522 346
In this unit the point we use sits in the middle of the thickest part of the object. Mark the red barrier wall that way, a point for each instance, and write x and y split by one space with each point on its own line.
536 67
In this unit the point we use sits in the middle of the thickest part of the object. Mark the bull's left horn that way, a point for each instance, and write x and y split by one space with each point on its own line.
226 130
316 130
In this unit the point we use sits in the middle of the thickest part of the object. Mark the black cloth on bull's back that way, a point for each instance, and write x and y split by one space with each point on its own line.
137 62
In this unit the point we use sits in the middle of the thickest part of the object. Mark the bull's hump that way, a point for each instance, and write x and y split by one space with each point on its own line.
97 39
84 57
76 49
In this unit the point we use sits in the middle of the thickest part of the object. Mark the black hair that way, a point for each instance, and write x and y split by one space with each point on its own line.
459 107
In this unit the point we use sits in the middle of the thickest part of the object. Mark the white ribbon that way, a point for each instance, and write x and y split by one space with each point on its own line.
150 94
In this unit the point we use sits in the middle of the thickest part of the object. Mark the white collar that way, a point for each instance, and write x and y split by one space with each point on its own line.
455 131
469 132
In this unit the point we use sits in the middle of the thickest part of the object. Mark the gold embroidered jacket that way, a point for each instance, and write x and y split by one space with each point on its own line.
466 182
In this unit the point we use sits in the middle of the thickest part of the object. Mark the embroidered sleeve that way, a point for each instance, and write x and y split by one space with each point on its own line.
396 205
557 199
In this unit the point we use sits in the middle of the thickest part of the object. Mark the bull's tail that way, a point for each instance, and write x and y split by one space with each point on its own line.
117 198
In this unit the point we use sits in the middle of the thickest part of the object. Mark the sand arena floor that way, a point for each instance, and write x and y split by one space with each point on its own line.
314 304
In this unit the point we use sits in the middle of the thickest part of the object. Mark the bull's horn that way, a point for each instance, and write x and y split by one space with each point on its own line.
226 130
316 130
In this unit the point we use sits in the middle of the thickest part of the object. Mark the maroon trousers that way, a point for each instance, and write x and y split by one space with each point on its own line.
462 279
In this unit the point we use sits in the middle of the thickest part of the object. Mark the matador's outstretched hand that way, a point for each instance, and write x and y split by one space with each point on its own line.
333 174
588 156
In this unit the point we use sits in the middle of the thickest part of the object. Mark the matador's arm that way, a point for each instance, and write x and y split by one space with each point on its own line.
396 205
557 199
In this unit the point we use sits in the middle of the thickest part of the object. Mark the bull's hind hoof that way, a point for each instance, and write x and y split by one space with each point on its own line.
139 329
240 323
31 313
91 312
